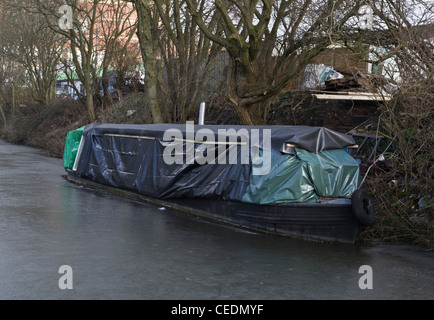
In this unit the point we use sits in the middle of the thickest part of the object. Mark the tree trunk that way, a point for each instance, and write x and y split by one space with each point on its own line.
149 58
242 81
105 84
244 115
89 102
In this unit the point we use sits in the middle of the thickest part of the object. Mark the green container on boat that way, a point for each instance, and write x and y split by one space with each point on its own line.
71 147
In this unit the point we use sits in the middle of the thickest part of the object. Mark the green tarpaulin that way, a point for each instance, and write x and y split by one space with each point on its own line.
287 182
71 147
304 177
334 173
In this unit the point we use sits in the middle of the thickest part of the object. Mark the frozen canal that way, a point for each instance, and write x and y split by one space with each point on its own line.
120 249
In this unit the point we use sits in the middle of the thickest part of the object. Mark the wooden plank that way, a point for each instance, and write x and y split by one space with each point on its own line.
349 93
374 97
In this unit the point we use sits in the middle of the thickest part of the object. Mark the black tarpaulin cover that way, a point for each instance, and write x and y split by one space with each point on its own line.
312 139
133 156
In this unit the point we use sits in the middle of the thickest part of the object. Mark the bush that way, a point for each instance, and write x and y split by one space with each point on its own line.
128 110
45 127
403 191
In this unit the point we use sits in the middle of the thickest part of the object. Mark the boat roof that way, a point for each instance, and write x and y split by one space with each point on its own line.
312 139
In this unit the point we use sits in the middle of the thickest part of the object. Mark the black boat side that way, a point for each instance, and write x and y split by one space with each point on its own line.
328 221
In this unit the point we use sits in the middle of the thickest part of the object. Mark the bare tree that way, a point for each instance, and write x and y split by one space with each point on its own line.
404 34
146 26
270 42
127 65
396 36
187 55
10 72
34 47
400 35
408 26
81 41
117 28
90 38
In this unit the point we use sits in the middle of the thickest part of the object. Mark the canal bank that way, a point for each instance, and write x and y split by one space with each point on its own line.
403 207
120 249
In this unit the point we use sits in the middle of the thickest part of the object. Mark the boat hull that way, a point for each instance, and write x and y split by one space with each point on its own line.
313 221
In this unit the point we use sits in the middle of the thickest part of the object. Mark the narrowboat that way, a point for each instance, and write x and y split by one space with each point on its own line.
296 181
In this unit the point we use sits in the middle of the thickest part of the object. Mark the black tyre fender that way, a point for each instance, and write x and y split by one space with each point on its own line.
363 207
